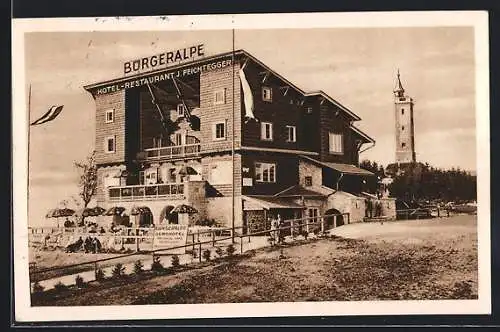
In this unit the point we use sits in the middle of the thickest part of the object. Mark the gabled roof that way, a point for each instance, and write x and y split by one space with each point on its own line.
334 102
240 52
342 168
299 191
362 134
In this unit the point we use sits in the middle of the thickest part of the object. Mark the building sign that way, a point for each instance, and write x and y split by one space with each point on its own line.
171 236
163 76
163 59
247 182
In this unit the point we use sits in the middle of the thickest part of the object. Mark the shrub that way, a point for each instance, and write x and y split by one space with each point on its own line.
219 251
157 266
138 267
79 281
230 250
175 261
99 275
118 271
206 254
60 286
37 288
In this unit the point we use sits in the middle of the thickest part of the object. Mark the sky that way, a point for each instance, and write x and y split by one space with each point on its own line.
355 66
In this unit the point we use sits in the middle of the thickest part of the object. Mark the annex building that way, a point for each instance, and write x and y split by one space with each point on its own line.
229 137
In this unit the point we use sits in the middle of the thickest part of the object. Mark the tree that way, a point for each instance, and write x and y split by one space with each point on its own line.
87 171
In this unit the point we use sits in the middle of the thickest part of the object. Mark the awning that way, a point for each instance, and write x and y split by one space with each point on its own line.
138 210
342 168
269 202
299 191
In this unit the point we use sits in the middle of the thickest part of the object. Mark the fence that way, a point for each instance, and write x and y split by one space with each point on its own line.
294 226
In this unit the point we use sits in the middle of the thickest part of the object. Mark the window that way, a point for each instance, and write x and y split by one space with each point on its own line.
220 97
313 215
308 181
402 111
178 139
402 127
267 93
219 131
141 177
265 172
110 116
291 133
110 144
336 143
180 109
403 145
266 131
171 175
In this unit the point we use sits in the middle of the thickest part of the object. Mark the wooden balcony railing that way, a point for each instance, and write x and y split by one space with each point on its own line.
188 150
170 191
175 151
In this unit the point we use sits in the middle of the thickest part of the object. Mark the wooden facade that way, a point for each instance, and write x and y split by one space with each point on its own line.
301 125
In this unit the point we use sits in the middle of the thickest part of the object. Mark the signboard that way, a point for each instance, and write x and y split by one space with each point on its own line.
247 182
130 82
171 236
163 59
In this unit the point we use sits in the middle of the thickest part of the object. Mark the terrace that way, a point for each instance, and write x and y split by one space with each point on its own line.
141 192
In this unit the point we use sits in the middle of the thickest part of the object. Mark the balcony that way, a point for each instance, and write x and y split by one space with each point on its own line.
178 152
174 152
142 192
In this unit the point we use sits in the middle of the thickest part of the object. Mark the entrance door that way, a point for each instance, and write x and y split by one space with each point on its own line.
333 219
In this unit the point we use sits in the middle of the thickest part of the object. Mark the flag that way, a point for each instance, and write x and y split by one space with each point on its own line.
49 116
247 96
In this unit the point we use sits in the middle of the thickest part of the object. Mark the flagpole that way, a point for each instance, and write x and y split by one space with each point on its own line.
29 139
232 148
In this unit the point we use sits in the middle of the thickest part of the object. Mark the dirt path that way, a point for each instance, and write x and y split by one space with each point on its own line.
404 261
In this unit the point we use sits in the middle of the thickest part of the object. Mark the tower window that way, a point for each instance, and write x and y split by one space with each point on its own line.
403 145
402 127
402 111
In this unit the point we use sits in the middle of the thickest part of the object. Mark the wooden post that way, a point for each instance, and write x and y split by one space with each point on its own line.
322 224
213 238
137 240
334 221
193 240
438 211
241 245
199 249
95 269
292 229
448 212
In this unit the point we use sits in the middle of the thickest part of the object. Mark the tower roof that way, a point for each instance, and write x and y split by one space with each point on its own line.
398 89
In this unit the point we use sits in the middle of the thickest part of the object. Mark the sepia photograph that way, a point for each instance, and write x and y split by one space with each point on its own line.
251 166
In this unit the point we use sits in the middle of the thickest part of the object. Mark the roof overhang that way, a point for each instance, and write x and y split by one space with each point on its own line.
321 93
269 202
367 138
341 168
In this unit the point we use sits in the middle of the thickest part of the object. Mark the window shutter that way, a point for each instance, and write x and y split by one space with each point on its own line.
214 131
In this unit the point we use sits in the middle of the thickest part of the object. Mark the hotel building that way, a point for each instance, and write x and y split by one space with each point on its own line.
230 137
